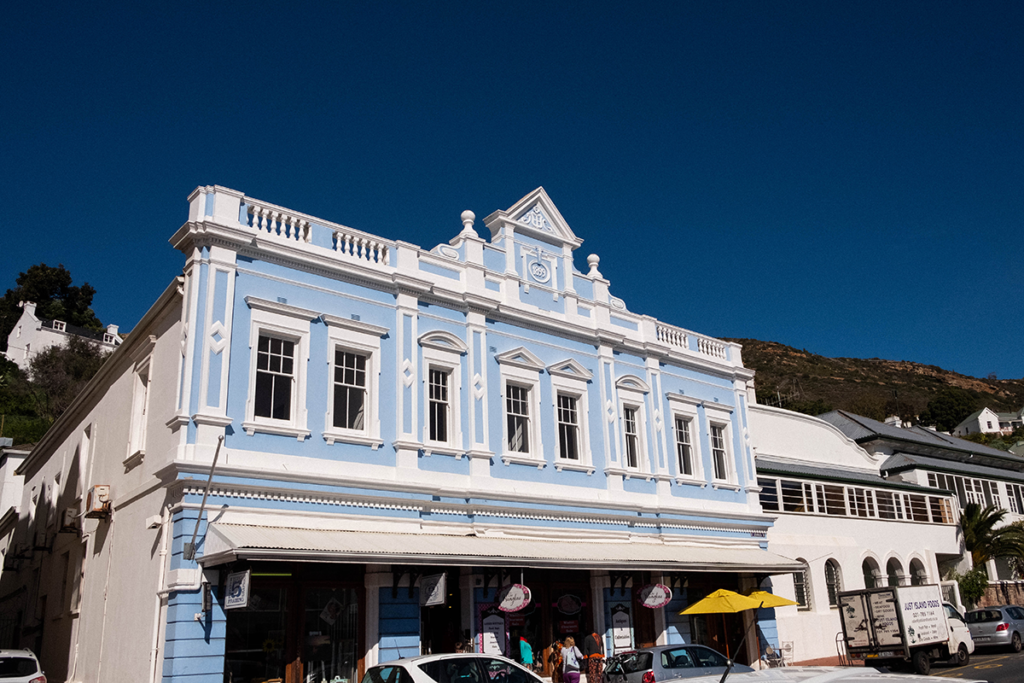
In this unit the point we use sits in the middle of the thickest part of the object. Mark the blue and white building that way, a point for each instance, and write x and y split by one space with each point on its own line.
392 427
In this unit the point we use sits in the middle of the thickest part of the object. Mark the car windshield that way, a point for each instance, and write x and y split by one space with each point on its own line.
983 616
13 667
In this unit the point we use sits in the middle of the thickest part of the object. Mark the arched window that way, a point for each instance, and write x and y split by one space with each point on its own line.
895 572
918 575
872 575
802 586
833 582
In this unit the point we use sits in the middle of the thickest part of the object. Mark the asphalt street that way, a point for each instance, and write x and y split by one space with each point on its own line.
987 665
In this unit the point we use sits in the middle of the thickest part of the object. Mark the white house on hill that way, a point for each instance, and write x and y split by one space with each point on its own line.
32 335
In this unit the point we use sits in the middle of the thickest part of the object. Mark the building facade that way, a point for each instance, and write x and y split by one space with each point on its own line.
849 526
400 435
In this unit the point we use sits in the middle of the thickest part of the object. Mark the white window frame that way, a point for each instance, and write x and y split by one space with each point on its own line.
685 407
443 351
522 368
291 323
141 378
361 338
721 417
632 394
570 378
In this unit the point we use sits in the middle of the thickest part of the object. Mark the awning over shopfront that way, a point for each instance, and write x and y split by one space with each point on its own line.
228 542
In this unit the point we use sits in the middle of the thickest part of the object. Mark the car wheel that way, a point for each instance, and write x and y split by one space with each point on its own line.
922 664
962 655
1015 643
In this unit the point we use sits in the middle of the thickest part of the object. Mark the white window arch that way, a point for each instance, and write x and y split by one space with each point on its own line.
442 383
633 446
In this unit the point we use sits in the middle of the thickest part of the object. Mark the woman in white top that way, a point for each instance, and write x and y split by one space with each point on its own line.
571 658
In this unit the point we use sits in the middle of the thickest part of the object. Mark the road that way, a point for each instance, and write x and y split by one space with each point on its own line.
986 665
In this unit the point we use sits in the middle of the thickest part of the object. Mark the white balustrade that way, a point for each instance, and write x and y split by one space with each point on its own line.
362 248
710 347
673 336
279 223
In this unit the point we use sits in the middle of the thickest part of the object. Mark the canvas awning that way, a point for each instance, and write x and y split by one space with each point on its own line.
228 542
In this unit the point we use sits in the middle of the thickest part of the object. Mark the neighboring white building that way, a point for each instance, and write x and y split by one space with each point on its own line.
32 335
972 472
849 526
987 421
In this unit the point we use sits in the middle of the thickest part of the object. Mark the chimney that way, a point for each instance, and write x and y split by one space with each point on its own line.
28 307
894 421
112 329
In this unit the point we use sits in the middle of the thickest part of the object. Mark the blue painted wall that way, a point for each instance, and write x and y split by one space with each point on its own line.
399 629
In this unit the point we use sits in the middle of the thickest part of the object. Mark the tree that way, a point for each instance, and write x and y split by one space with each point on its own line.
55 298
983 540
949 408
61 372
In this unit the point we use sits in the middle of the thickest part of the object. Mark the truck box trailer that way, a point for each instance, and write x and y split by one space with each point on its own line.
898 624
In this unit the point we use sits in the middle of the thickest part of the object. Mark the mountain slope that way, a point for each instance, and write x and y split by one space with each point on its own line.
800 380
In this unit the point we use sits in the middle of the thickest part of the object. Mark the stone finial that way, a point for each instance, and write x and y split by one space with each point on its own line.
592 261
467 222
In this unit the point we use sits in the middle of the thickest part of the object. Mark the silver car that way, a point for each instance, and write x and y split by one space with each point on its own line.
656 664
1003 625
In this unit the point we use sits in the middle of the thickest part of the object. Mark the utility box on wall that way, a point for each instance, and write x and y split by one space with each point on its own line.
98 502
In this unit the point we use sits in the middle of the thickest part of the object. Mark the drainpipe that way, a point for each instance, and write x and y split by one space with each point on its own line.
160 595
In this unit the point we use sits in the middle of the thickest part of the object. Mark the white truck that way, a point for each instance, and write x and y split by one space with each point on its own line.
898 624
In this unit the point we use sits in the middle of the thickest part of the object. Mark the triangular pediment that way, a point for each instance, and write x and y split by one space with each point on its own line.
570 368
522 358
537 216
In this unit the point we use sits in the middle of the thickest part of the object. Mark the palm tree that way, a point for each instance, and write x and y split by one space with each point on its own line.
983 540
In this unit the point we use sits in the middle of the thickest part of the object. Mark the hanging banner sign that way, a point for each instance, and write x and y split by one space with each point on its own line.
513 598
433 590
655 595
236 590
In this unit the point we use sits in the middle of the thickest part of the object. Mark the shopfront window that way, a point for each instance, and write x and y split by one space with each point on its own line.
256 637
331 625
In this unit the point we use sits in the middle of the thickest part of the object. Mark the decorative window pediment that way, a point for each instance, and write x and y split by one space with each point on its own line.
522 358
443 341
632 382
354 325
570 368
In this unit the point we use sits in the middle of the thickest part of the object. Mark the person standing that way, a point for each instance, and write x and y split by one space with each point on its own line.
572 659
593 651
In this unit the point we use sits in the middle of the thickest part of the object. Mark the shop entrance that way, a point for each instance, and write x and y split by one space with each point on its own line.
441 625
302 625
720 632
561 606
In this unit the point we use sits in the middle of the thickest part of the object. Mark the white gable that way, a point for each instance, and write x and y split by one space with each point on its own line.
537 216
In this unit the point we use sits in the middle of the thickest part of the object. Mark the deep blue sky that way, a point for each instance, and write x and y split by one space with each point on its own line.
842 177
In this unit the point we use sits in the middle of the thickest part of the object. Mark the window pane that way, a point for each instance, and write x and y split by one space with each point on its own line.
264 389
349 390
718 451
769 495
683 446
518 418
792 496
632 440
835 500
568 429
438 409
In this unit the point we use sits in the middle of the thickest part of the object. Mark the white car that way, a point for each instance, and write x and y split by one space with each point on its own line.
820 674
471 667
20 666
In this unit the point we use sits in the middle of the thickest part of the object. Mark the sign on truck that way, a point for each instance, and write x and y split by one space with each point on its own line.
905 623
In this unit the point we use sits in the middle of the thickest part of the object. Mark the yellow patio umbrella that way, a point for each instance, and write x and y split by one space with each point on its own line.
720 602
771 600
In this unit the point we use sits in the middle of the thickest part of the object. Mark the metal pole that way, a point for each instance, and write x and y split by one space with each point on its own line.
189 551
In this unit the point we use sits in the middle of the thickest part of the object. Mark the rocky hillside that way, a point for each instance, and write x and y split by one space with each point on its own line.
803 381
